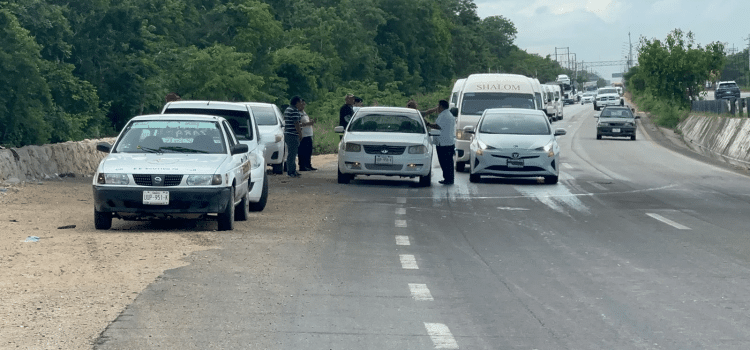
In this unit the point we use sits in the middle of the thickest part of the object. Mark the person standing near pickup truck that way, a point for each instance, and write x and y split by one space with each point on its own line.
292 132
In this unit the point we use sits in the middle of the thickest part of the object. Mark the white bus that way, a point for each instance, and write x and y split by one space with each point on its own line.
482 91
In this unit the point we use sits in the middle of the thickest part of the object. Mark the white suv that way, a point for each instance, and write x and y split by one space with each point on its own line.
271 126
607 96
244 125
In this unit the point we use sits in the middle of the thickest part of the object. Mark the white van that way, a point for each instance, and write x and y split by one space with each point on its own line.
483 91
538 92
456 93
555 102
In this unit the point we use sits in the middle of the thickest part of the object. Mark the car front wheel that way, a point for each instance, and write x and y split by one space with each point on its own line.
426 180
550 179
102 220
460 166
344 178
475 178
226 219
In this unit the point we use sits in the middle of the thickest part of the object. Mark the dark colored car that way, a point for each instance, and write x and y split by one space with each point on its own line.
616 121
726 89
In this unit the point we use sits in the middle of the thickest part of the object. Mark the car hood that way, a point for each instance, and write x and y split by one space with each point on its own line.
391 138
505 141
171 163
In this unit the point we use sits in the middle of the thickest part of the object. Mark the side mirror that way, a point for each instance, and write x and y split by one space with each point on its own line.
469 129
434 132
339 129
104 147
454 111
240 148
560 132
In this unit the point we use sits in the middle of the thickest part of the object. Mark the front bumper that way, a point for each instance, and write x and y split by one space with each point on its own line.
497 163
275 152
126 201
405 165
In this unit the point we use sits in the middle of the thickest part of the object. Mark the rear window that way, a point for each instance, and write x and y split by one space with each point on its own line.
239 120
728 85
616 113
264 115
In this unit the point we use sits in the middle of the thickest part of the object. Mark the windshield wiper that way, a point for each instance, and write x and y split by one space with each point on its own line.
182 149
151 150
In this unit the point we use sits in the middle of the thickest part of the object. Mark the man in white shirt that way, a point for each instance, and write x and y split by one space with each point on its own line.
445 143
306 141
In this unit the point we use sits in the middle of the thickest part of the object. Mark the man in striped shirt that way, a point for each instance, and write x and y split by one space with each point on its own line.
292 132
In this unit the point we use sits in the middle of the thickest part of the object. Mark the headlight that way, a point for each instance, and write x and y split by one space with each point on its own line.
460 135
203 180
254 163
352 147
279 137
420 149
112 179
549 148
629 124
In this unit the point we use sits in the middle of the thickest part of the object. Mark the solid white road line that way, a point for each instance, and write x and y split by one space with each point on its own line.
402 240
400 223
400 211
668 222
420 292
408 262
441 336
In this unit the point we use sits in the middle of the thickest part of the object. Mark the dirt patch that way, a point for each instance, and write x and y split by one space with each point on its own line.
62 282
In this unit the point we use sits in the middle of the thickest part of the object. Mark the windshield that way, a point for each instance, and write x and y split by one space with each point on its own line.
515 124
171 136
616 113
265 115
476 103
607 91
411 124
239 120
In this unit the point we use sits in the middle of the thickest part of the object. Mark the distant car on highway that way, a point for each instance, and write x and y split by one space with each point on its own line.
587 97
616 121
607 97
172 166
726 89
390 141
512 142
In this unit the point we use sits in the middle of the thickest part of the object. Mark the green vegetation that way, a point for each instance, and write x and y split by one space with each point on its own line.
71 70
672 73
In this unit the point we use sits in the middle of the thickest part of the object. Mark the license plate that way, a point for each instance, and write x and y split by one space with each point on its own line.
384 160
515 163
615 129
156 197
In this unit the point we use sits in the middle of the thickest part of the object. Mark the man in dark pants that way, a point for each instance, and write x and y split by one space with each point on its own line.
445 144
292 130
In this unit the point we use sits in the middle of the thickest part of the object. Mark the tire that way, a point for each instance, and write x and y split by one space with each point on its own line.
277 168
344 178
261 204
598 137
226 219
242 211
425 181
102 220
550 180
596 108
632 138
475 178
460 166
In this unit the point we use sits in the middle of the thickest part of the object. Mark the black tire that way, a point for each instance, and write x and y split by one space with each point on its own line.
102 220
277 168
344 178
475 178
226 219
261 204
550 179
632 137
460 166
598 137
242 211
425 181
596 108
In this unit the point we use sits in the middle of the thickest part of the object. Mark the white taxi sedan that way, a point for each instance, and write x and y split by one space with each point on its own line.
390 141
170 166
511 142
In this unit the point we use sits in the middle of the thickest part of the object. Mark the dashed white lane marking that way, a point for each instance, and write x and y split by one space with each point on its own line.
402 240
408 262
441 336
400 211
420 292
598 186
668 222
400 223
512 209
401 200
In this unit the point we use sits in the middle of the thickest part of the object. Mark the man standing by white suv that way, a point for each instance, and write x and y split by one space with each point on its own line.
292 132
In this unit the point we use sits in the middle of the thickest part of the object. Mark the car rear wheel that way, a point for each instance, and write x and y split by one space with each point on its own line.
344 178
475 178
460 166
263 197
550 179
226 219
102 220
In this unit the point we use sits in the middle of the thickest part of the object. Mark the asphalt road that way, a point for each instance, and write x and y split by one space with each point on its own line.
637 247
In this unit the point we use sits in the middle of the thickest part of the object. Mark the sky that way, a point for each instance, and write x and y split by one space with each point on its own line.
597 30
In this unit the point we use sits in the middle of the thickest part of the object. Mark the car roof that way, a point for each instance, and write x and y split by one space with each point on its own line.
238 106
257 104
192 117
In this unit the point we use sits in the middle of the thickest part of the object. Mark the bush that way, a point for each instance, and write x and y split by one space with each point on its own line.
667 113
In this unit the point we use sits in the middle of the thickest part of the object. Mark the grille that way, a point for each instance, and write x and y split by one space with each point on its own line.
394 167
392 150
509 157
146 179
505 168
